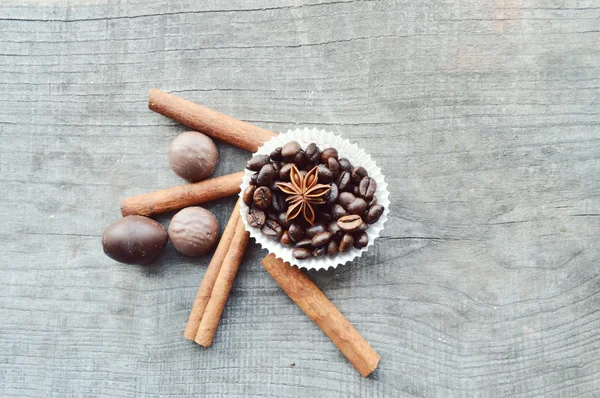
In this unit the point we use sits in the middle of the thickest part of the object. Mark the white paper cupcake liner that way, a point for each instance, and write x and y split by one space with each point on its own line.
357 157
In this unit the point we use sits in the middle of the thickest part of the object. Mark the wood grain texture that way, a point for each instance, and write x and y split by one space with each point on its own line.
485 119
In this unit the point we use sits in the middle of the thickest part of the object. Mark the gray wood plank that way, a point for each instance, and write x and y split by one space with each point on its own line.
484 117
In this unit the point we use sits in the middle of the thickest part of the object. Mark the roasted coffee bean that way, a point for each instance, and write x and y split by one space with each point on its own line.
321 238
272 230
334 167
300 159
346 198
301 254
319 251
247 197
373 202
276 154
334 228
256 217
325 175
285 239
328 153
290 150
303 173
373 214
367 188
304 244
257 162
262 197
332 195
282 220
253 178
350 223
361 240
314 229
332 248
344 182
358 206
272 215
359 173
274 188
363 227
355 191
296 232
313 153
266 175
277 167
346 243
278 203
326 217
284 172
345 165
338 211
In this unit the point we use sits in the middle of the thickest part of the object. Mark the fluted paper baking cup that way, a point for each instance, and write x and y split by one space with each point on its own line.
357 157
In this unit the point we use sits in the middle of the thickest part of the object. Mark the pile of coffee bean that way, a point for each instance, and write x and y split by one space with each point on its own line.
340 223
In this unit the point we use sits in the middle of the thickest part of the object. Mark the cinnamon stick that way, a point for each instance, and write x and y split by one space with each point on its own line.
207 121
220 292
182 196
318 308
210 276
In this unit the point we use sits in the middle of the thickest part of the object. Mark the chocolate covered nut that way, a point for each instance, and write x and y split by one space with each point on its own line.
193 156
373 214
262 197
350 223
257 162
266 175
301 254
248 195
134 240
256 217
194 231
290 150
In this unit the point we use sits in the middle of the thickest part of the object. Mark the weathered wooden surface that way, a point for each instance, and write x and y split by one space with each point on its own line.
484 115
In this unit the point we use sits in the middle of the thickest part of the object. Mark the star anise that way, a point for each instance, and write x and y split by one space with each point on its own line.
303 193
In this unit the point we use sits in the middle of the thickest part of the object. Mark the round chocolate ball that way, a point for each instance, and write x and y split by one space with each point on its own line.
194 231
134 240
193 156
